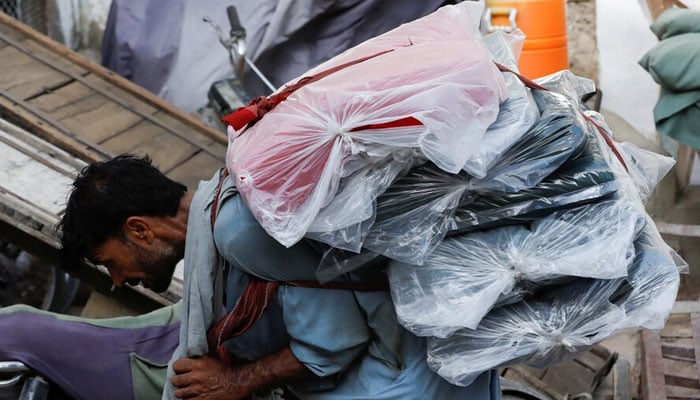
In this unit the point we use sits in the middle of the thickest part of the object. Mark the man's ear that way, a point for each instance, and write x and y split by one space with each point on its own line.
138 229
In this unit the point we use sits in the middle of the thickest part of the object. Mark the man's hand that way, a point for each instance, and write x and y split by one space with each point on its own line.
208 378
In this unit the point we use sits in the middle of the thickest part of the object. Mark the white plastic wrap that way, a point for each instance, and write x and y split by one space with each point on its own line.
467 275
645 167
566 83
556 136
548 328
515 116
418 209
347 231
436 90
554 323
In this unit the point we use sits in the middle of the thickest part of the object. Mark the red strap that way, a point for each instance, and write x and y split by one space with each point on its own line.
534 85
256 297
261 105
408 121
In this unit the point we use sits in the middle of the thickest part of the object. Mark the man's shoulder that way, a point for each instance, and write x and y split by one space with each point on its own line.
217 186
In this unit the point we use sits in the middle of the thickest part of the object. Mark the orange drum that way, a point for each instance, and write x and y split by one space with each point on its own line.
544 24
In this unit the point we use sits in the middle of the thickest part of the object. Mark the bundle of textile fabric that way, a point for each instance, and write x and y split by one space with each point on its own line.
537 275
513 227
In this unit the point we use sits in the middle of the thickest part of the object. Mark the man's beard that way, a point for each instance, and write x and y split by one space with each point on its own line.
159 266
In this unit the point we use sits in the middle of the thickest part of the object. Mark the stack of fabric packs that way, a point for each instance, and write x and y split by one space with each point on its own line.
512 227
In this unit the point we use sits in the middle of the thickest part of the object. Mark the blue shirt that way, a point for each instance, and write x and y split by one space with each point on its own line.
350 340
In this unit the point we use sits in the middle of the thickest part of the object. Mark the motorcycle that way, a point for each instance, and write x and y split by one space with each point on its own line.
227 95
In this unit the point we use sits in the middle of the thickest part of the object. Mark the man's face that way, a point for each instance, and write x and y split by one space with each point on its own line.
128 262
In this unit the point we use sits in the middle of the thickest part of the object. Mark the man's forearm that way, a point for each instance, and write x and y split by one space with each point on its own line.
274 370
210 378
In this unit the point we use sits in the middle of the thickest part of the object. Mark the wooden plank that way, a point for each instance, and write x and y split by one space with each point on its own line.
677 325
684 166
166 151
25 219
9 37
680 369
23 77
48 130
216 148
621 379
695 324
31 181
200 167
590 360
52 156
569 378
682 393
686 307
61 64
191 121
122 95
653 386
90 115
678 229
129 103
676 352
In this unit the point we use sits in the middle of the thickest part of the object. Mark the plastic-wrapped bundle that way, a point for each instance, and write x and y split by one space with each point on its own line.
558 134
347 231
428 85
585 178
467 275
564 82
417 210
646 168
515 116
544 330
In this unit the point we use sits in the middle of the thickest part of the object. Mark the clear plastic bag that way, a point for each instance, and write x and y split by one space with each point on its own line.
435 90
556 136
559 322
338 228
585 178
474 272
417 210
515 116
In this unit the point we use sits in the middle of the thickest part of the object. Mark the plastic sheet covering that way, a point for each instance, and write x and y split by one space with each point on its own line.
467 275
417 211
436 90
585 178
347 231
515 116
646 168
558 134
546 329
566 83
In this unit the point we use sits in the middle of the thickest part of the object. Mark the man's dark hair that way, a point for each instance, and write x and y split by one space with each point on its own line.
104 195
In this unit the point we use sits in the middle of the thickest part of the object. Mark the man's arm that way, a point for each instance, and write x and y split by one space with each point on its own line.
208 378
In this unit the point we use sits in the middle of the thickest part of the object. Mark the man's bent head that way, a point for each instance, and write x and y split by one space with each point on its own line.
117 214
